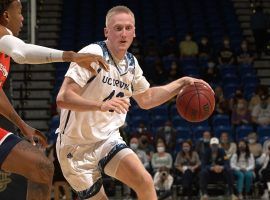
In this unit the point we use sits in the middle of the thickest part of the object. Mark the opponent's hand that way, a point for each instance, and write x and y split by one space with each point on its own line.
191 81
119 105
34 136
86 60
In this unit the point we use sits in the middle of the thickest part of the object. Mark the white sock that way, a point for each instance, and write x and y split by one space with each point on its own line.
268 186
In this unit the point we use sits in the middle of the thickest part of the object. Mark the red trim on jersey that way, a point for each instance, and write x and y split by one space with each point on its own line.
4 68
3 133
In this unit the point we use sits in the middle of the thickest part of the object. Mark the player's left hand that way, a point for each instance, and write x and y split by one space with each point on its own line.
86 60
191 81
34 136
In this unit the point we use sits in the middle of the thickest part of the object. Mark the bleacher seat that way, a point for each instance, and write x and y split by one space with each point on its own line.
243 131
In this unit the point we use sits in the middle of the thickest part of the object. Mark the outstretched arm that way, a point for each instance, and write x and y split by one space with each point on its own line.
156 96
24 53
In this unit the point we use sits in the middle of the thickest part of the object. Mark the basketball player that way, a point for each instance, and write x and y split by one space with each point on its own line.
95 106
16 155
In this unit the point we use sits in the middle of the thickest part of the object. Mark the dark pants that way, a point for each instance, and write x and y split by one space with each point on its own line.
187 181
206 175
265 177
163 194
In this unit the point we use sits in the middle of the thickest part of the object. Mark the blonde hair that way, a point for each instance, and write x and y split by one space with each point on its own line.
118 9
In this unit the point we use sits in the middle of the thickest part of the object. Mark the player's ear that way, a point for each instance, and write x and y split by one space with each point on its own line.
6 16
106 32
134 32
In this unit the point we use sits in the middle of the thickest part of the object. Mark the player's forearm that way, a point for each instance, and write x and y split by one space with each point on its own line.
156 96
72 101
7 110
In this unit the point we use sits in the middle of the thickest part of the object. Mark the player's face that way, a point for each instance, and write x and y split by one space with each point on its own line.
14 17
120 32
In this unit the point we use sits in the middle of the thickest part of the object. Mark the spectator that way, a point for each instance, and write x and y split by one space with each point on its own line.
145 144
215 165
261 113
243 164
187 163
255 100
211 73
169 134
203 145
241 114
259 24
222 104
136 47
161 158
134 145
245 56
158 75
170 47
264 172
254 146
205 50
173 72
266 144
226 54
163 181
228 146
188 48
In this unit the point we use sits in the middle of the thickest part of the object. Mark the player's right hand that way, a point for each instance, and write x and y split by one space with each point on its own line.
119 105
86 60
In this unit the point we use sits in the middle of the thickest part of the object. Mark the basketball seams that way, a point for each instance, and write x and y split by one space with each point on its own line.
198 96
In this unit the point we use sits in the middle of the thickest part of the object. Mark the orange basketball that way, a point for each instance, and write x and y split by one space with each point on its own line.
196 102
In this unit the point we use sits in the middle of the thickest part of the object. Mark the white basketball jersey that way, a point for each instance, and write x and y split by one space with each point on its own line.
122 80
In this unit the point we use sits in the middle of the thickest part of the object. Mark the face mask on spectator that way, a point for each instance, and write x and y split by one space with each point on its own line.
251 141
134 146
167 129
242 148
206 140
186 149
240 105
160 149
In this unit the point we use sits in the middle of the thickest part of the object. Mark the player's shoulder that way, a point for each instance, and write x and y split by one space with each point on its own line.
92 48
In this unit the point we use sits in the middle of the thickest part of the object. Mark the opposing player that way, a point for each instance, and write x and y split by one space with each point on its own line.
95 106
17 155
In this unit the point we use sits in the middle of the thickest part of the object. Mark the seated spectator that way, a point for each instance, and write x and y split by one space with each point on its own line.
205 50
163 181
187 163
226 54
254 146
261 113
169 134
211 73
173 72
255 100
228 146
159 75
264 172
215 165
161 158
203 144
241 114
266 144
222 104
170 47
245 55
136 47
145 144
188 48
243 164
238 95
134 145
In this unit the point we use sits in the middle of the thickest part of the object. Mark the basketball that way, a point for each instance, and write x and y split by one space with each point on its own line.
195 103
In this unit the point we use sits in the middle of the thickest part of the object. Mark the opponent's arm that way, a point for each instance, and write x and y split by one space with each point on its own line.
69 97
7 110
24 53
156 96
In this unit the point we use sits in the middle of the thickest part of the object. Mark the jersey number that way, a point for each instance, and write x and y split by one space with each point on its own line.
120 94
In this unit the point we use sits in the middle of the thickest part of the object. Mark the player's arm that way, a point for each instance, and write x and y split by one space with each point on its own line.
156 96
24 53
7 110
69 97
